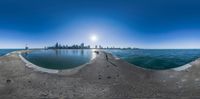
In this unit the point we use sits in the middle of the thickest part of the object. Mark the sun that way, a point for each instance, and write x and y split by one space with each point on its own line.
94 38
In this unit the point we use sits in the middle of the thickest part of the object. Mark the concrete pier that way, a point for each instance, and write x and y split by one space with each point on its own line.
100 79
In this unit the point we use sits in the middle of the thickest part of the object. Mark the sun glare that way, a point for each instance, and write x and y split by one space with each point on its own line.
94 38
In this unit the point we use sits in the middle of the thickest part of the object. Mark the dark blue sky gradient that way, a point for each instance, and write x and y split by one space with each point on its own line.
136 23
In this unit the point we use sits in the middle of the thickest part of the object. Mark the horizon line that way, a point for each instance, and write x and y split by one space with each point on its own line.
105 48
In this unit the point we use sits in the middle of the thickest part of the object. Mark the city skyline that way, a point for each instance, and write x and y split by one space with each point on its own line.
82 46
155 24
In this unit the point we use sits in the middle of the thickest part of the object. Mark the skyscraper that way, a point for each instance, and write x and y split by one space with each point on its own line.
82 45
96 46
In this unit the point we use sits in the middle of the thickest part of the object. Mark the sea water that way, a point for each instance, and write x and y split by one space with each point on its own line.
157 58
59 59
6 51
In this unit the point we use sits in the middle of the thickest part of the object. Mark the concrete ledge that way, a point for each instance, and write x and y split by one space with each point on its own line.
35 67
54 71
99 79
186 66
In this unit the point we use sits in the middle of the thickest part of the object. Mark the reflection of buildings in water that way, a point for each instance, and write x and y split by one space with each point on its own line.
66 51
58 52
82 52
75 51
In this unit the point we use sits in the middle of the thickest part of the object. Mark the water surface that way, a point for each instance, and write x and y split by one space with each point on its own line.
6 51
157 58
60 59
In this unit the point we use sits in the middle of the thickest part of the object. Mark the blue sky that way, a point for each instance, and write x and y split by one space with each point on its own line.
120 23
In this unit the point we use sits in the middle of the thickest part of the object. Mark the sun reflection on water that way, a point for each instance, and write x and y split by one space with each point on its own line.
93 54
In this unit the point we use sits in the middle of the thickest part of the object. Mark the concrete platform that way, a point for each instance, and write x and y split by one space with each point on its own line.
99 79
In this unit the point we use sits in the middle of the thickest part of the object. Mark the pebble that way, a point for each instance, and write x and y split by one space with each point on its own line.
99 77
109 77
8 81
44 94
183 80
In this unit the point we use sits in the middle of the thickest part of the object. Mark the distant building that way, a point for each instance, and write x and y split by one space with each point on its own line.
100 47
45 48
56 46
88 47
75 46
82 46
26 47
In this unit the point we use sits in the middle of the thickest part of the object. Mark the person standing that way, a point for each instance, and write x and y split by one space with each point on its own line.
106 57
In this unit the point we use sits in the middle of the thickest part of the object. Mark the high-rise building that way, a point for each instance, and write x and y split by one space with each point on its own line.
56 46
82 45
100 47
88 46
26 47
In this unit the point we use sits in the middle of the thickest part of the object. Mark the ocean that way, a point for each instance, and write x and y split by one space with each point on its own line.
157 58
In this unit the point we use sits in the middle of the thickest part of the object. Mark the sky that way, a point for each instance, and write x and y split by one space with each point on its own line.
120 23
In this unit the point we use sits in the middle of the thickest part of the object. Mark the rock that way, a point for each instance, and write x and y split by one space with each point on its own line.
8 81
44 94
109 77
117 75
